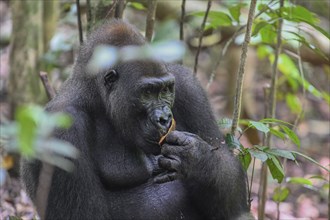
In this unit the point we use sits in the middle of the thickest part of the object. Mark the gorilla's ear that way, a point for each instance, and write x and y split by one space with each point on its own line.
110 76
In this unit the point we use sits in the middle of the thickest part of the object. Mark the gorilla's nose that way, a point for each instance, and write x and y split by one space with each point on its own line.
164 118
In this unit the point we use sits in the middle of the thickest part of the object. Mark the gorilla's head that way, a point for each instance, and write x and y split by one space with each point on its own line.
139 96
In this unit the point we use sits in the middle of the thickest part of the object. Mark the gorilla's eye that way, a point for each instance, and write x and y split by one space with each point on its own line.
110 76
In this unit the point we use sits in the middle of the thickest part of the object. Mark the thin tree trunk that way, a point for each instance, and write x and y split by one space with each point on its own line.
26 49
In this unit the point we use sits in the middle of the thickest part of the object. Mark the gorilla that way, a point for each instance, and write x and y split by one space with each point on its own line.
119 116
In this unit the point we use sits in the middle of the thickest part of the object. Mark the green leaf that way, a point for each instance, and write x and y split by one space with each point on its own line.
137 5
216 18
281 153
274 120
225 123
275 168
280 194
293 102
299 180
62 120
27 127
233 142
299 13
235 11
257 27
293 137
264 51
258 154
277 133
259 126
245 159
310 159
268 34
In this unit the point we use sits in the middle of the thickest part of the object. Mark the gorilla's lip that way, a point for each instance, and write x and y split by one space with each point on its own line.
151 141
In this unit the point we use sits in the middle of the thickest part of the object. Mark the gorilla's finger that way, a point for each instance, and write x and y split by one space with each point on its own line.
178 138
171 150
169 163
166 177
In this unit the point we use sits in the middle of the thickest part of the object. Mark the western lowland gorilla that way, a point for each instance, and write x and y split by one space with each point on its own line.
119 116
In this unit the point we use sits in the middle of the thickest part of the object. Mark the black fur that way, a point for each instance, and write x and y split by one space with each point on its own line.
122 173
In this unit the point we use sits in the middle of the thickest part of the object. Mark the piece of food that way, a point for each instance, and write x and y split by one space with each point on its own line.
172 128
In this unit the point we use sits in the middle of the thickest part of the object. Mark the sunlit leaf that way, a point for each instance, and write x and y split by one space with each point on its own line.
293 102
258 26
216 18
137 5
27 130
280 194
235 11
299 13
264 51
299 180
268 34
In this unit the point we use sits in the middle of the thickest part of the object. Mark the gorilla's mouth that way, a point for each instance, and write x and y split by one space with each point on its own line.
171 128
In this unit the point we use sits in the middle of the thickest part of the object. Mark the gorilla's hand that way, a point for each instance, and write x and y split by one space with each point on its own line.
184 155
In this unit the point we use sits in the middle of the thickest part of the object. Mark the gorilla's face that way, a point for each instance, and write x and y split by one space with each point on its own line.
139 97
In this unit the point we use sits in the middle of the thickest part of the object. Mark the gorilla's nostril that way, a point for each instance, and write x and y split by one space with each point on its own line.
163 121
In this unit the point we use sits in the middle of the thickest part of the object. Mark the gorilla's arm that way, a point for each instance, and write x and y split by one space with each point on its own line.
213 176
76 195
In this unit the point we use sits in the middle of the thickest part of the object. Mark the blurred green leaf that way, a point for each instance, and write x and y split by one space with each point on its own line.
275 168
258 26
311 160
259 126
299 13
258 154
27 130
293 102
281 153
216 18
268 34
280 194
293 137
62 120
225 123
277 133
245 158
137 5
235 11
264 51
299 180
274 121
233 142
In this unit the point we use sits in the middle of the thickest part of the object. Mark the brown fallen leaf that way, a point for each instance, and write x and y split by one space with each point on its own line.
172 128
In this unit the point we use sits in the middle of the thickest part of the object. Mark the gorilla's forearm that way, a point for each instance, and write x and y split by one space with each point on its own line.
217 189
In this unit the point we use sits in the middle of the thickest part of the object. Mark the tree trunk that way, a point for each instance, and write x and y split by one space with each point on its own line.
26 49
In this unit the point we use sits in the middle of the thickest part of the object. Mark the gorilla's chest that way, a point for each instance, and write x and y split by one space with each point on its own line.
152 201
